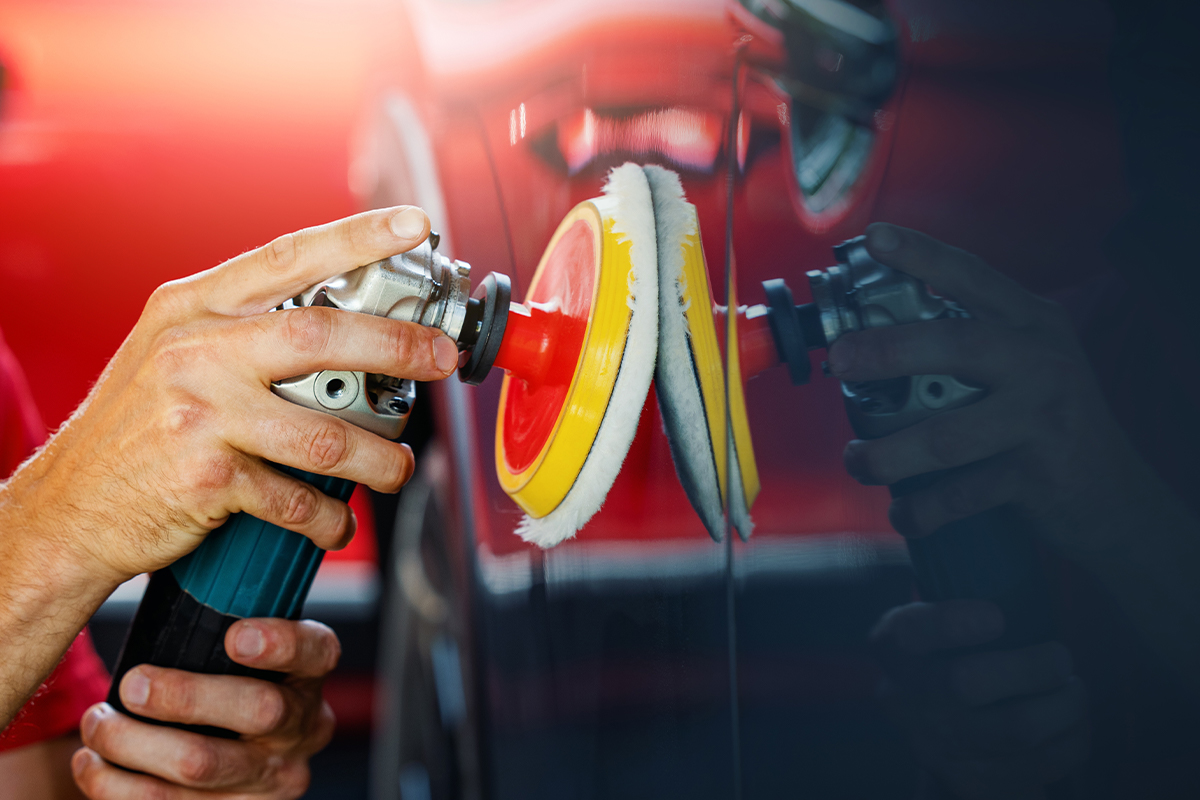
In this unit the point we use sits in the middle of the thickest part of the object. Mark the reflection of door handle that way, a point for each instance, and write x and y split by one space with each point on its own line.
840 57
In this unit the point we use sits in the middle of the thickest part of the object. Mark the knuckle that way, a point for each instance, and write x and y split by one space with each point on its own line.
211 471
346 529
321 648
328 445
399 471
174 348
281 253
199 763
331 649
173 694
307 330
403 343
324 729
299 504
172 300
357 233
185 416
164 299
102 735
270 709
283 642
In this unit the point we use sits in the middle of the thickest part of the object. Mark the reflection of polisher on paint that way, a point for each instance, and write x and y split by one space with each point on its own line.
988 556
579 354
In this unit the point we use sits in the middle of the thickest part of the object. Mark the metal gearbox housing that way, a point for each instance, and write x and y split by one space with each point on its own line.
421 286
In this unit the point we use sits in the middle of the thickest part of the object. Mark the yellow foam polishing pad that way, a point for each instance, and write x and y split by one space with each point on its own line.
690 376
558 447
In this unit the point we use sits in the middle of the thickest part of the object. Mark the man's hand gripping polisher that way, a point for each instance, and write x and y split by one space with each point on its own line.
584 342
251 568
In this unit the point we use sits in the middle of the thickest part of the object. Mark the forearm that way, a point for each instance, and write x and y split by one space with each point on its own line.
47 591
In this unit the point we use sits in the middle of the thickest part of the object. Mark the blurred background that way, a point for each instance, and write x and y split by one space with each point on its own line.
143 140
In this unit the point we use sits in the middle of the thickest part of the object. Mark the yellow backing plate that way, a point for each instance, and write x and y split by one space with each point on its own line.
539 488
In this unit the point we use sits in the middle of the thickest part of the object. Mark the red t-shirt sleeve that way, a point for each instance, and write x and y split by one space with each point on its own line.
79 680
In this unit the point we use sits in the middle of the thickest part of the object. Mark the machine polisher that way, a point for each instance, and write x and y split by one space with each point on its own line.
620 297
579 355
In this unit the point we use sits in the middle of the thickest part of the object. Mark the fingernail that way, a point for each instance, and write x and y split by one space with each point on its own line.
135 689
249 642
408 222
445 354
83 759
87 726
841 357
883 238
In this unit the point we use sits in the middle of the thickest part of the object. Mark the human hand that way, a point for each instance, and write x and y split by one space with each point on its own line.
172 439
282 724
1042 440
998 725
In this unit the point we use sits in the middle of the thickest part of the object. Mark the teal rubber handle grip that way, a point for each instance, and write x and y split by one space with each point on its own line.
251 568
245 568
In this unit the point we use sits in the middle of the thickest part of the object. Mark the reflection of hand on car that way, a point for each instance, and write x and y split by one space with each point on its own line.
1042 442
173 437
282 724
990 725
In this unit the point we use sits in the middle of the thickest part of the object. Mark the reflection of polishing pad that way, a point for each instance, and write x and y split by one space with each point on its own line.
689 376
562 436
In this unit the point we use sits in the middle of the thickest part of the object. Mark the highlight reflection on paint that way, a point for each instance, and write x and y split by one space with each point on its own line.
688 137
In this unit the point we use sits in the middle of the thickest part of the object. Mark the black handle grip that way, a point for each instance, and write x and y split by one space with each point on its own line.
990 556
245 568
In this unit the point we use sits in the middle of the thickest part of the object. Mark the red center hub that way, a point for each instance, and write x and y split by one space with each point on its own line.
542 348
